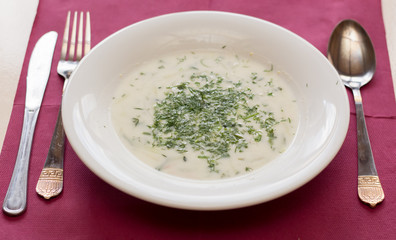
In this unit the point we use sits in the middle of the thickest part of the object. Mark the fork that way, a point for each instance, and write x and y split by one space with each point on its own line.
50 183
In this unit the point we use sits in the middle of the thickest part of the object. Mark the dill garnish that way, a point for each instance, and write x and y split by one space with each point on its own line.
207 117
135 121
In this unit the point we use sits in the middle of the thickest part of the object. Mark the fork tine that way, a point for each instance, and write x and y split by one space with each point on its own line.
65 37
73 38
87 46
80 38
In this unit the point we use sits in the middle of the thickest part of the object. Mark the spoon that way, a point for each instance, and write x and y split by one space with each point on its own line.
352 54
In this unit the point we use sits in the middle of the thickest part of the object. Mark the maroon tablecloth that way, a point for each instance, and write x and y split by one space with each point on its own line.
326 208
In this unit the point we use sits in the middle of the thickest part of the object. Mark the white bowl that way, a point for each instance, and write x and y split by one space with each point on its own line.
321 97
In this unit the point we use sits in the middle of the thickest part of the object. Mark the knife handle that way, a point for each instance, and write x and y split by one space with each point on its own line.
15 199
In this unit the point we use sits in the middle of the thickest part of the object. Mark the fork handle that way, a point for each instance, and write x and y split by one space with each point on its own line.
15 199
50 183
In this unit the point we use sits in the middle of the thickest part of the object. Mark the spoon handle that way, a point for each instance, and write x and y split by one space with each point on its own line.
369 186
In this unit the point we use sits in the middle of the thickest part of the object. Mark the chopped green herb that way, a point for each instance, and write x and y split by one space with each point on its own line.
253 77
209 118
203 63
135 121
180 60
270 70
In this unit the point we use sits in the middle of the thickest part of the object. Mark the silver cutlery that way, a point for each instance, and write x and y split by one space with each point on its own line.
351 52
36 82
50 183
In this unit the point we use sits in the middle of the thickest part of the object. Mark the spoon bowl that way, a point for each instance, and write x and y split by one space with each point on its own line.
352 54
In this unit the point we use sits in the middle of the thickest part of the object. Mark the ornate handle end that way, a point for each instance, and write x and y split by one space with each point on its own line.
370 190
50 183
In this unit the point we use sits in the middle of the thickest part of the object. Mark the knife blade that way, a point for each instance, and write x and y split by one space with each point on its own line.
36 82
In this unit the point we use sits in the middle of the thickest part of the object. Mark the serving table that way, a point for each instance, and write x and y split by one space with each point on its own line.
327 207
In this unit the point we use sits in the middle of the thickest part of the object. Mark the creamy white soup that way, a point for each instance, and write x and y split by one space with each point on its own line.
205 114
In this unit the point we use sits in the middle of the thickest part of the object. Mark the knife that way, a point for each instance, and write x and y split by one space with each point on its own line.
36 82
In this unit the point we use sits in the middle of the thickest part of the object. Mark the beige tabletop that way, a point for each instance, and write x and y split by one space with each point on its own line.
16 21
389 15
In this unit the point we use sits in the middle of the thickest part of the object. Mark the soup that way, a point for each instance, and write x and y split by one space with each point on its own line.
205 114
